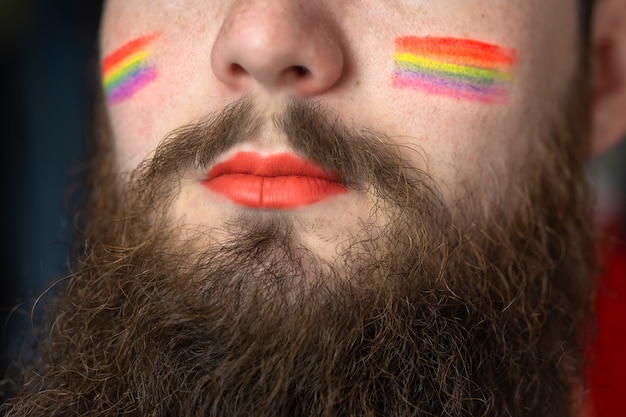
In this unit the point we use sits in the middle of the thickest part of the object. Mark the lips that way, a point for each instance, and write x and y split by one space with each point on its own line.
279 181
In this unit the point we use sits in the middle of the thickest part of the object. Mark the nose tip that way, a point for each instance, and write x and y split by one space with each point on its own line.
286 50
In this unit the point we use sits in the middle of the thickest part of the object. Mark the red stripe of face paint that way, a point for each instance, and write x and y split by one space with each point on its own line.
126 50
458 50
281 181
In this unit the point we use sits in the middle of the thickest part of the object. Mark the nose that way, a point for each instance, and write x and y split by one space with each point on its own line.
280 45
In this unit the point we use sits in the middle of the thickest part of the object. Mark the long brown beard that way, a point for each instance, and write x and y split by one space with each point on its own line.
439 311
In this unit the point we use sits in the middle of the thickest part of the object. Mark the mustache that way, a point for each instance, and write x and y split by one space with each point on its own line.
361 156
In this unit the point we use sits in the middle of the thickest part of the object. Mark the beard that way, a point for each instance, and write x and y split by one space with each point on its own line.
431 308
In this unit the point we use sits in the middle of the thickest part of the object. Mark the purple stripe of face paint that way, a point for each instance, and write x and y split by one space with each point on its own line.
449 87
131 85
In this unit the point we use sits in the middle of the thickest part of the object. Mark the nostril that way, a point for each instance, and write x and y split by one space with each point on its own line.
237 69
301 71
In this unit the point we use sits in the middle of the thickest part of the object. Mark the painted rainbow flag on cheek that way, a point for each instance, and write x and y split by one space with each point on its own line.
458 68
129 69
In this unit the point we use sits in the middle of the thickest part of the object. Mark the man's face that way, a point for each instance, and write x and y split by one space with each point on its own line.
344 55
332 208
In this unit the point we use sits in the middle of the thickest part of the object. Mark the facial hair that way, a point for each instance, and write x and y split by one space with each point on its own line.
434 308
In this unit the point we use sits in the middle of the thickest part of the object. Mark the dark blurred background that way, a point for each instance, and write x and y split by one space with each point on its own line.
48 69
48 73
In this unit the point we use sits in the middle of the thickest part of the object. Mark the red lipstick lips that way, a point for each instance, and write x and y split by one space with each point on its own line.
279 181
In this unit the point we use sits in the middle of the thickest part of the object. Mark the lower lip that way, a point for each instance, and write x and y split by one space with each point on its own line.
281 181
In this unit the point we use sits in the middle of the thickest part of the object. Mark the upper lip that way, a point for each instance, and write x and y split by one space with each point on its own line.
276 165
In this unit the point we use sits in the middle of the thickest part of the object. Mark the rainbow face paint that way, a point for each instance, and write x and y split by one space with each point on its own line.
129 69
458 68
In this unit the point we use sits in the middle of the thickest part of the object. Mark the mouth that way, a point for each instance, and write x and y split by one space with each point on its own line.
279 181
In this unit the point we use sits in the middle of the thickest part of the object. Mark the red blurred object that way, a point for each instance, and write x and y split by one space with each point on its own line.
607 373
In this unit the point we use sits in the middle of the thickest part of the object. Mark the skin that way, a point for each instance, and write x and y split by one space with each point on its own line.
211 53
491 315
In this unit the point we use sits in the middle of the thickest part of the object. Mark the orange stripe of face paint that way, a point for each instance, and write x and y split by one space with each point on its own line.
125 51
466 51
280 181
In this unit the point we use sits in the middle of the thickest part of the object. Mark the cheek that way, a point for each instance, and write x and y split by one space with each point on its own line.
180 88
129 74
146 97
133 137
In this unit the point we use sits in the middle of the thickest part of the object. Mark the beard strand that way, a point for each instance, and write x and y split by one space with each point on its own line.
431 311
